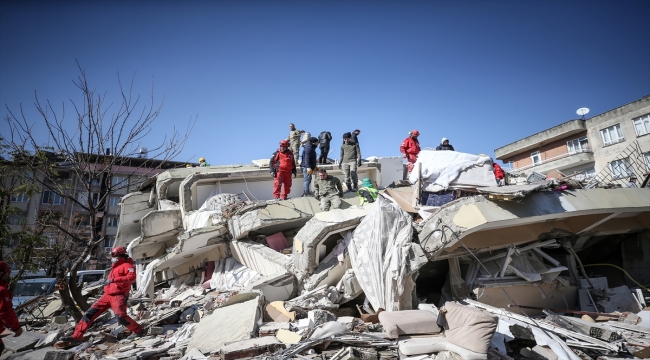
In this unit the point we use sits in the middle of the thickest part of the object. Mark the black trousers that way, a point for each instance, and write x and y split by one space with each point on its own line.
324 150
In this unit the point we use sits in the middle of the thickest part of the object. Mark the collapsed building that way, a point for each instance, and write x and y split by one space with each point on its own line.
444 265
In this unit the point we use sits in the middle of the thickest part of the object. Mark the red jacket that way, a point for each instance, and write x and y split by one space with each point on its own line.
498 171
123 275
7 314
286 161
410 146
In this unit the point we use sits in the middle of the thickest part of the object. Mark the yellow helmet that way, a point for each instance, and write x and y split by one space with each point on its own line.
201 159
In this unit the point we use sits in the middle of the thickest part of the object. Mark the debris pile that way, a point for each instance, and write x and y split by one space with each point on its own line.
475 277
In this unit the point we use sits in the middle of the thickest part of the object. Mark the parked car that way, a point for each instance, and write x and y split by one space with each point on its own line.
87 276
30 288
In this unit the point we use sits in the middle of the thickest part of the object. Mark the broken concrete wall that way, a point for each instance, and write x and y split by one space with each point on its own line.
313 240
134 207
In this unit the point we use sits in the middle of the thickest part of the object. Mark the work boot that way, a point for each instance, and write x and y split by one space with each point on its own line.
349 186
69 340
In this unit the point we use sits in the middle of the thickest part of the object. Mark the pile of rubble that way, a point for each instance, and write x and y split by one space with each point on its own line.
475 277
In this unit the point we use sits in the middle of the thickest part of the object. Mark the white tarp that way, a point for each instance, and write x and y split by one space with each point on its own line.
210 213
229 274
443 167
379 251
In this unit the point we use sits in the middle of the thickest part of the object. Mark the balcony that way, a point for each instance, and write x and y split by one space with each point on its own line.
560 162
535 141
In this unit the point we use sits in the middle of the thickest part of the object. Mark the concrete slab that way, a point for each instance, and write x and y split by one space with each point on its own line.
23 342
485 225
134 207
251 348
211 334
322 229
42 354
288 337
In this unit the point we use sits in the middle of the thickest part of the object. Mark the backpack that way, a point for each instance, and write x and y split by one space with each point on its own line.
324 137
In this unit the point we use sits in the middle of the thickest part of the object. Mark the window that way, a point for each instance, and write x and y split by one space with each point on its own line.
81 220
50 240
109 241
111 221
114 201
642 125
646 157
83 198
21 197
621 168
16 220
537 158
50 197
119 181
612 134
577 145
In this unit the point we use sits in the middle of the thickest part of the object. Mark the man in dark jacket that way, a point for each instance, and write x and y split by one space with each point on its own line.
282 164
308 164
116 291
324 144
349 160
8 316
445 145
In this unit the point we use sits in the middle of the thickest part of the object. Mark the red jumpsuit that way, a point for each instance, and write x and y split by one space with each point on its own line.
7 314
410 148
498 173
286 165
115 294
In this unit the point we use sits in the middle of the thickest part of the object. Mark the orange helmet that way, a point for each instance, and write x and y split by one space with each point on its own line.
120 250
284 143
415 133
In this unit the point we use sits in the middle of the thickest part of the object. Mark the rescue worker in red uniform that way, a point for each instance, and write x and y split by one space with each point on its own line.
116 292
499 175
8 316
283 164
410 149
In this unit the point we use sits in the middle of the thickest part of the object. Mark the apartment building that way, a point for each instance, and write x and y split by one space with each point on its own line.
616 142
125 179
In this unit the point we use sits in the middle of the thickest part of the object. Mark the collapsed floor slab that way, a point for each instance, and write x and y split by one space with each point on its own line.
485 225
320 235
159 230
134 206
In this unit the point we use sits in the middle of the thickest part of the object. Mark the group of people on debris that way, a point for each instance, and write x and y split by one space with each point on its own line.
328 189
116 293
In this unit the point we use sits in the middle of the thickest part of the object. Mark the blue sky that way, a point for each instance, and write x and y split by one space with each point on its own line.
481 73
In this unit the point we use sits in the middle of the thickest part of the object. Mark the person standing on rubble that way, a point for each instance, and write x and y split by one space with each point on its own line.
202 163
328 190
499 174
116 291
304 137
632 182
7 314
282 164
294 141
308 164
350 159
445 145
324 140
410 149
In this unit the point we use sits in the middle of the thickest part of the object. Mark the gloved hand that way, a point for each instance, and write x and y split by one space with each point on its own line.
359 162
18 332
309 171
340 168
273 174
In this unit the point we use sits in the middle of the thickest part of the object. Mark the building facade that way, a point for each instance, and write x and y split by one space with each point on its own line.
616 143
124 179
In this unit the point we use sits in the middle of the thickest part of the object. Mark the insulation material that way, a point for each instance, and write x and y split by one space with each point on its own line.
459 287
199 219
442 167
145 287
229 274
379 252
211 211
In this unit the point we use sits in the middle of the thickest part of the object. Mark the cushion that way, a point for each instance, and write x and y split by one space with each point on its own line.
469 327
436 344
408 322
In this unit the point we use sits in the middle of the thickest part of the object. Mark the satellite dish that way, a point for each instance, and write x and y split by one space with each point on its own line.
582 112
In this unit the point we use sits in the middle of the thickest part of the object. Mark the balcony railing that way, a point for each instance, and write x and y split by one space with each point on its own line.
575 152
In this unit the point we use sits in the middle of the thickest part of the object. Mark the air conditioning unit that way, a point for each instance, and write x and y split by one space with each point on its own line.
108 249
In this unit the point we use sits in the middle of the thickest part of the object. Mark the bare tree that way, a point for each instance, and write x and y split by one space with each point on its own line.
88 150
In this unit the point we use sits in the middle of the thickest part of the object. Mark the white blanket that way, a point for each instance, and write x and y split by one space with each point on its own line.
443 167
